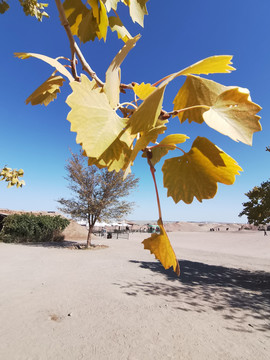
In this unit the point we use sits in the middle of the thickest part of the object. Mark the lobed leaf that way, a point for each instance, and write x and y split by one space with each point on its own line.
53 62
81 20
196 91
226 109
97 125
196 173
160 246
234 114
47 91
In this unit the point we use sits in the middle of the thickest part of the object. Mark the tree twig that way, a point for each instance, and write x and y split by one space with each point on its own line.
75 48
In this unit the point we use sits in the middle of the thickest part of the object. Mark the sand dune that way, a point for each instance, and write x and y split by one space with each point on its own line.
118 303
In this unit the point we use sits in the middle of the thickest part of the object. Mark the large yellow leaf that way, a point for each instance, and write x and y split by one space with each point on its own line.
116 25
53 62
196 91
196 173
143 90
160 246
116 156
112 84
97 125
234 114
47 91
146 116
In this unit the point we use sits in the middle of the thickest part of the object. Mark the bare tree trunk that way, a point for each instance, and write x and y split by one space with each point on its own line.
89 236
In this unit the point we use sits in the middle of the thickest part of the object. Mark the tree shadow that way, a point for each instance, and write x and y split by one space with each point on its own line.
239 295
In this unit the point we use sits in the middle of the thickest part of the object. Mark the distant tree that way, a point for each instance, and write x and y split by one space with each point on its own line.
257 209
97 193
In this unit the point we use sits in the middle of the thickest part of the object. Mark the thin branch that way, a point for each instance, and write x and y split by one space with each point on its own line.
164 115
75 48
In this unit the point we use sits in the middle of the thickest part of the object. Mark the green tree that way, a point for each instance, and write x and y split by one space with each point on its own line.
257 209
97 193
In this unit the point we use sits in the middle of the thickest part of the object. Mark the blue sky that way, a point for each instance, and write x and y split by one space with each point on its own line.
175 35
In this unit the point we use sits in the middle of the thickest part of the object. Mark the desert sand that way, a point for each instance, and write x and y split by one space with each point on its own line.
118 303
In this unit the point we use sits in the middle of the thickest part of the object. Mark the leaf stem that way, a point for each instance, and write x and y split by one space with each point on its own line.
152 169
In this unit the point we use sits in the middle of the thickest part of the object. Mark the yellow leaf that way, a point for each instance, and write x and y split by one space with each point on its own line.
174 139
234 114
53 62
97 125
160 246
137 10
196 173
47 91
196 91
75 11
81 20
87 29
146 116
103 23
111 4
145 139
116 156
210 65
112 84
101 17
162 149
143 90
116 25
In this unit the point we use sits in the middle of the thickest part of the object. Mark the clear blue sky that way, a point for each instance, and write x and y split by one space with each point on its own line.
176 34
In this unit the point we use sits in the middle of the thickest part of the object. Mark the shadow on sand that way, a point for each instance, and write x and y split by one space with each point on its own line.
239 295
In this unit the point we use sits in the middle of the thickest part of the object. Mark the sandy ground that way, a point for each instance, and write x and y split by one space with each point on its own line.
118 303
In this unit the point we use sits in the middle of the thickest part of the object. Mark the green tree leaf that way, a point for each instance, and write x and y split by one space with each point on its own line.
160 246
47 91
97 125
196 173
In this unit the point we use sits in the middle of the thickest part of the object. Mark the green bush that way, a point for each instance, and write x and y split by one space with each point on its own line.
33 228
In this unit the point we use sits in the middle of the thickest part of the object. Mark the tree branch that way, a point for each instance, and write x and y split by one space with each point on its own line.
75 48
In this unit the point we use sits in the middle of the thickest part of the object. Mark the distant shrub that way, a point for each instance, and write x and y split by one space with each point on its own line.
33 228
